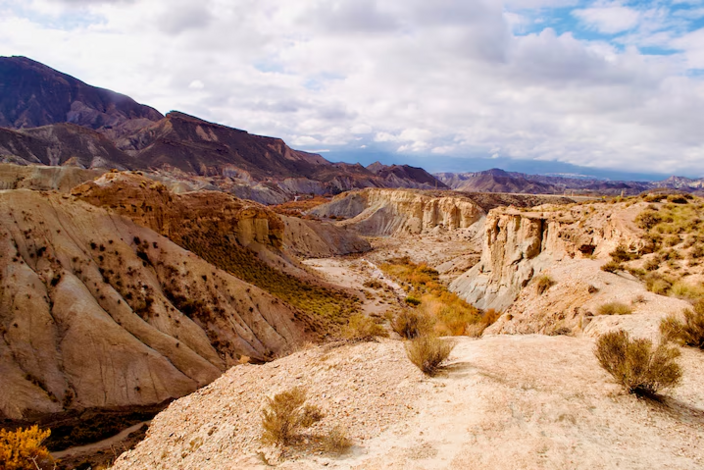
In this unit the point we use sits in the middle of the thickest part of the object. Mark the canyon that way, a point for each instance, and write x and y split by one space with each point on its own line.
162 277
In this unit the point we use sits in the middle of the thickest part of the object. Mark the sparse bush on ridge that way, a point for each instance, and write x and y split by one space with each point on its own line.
614 308
621 254
689 332
285 415
361 327
23 449
428 352
612 266
636 365
543 283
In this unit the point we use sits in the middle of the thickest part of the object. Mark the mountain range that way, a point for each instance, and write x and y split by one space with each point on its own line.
500 181
50 118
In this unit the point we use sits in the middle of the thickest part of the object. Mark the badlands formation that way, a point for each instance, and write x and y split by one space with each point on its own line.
164 278
528 392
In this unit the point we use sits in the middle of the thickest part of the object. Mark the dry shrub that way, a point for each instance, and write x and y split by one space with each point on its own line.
410 324
690 332
337 442
684 290
285 415
658 283
23 450
612 266
360 327
614 308
488 318
636 364
621 254
653 264
543 283
429 352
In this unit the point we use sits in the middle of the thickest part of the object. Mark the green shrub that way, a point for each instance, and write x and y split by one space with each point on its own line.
614 308
636 364
428 352
361 327
412 301
648 219
689 332
285 415
543 283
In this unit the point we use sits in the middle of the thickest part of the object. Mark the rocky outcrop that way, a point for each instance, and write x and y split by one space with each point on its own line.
99 312
384 212
314 239
517 245
44 178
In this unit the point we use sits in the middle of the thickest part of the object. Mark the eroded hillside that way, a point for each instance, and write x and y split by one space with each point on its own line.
100 312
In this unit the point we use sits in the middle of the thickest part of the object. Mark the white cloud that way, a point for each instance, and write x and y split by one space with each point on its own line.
610 18
447 78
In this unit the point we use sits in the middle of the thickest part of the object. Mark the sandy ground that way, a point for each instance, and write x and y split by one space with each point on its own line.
504 402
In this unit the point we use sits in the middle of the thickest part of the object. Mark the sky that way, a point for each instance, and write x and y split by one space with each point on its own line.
589 84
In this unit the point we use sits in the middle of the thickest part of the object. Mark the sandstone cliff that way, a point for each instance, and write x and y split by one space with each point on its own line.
520 244
383 212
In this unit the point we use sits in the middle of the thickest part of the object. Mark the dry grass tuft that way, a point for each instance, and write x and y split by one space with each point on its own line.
337 442
428 352
361 327
543 283
636 365
612 266
285 415
688 333
614 308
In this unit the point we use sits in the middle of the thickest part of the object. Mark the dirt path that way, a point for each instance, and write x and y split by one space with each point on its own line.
105 444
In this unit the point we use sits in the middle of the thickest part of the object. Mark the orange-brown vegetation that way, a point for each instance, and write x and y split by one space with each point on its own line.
446 310
23 449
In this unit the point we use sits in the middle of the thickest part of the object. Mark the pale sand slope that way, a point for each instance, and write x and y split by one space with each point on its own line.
506 402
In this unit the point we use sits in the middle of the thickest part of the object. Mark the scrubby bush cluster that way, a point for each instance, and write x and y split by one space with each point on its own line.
444 311
636 364
361 327
286 415
23 449
688 332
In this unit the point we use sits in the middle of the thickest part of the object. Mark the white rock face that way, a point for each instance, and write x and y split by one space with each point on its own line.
518 245
384 212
